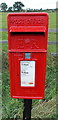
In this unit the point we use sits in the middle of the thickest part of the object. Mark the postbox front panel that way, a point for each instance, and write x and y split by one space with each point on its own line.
27 76
27 44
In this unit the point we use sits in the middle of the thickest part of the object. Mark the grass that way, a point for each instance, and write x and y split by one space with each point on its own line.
57 19
3 17
51 48
1 20
5 47
44 110
0 35
52 36
52 20
4 36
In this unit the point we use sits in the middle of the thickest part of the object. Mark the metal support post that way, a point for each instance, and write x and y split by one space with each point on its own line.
27 109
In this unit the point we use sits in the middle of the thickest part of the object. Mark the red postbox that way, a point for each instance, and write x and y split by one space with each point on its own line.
27 47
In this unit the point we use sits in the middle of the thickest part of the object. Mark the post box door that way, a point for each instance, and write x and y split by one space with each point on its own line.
31 91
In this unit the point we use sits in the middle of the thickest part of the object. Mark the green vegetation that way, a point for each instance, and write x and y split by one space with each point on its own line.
4 36
0 35
45 109
4 20
51 48
17 6
5 47
3 6
52 36
52 20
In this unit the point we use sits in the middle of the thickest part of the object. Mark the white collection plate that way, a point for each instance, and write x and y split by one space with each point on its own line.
27 73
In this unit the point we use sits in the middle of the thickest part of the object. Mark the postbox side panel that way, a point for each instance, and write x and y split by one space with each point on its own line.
37 91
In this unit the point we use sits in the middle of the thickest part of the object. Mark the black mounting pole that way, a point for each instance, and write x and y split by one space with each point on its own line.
27 109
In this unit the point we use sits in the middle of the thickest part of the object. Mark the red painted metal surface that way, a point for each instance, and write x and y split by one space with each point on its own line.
27 33
27 29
